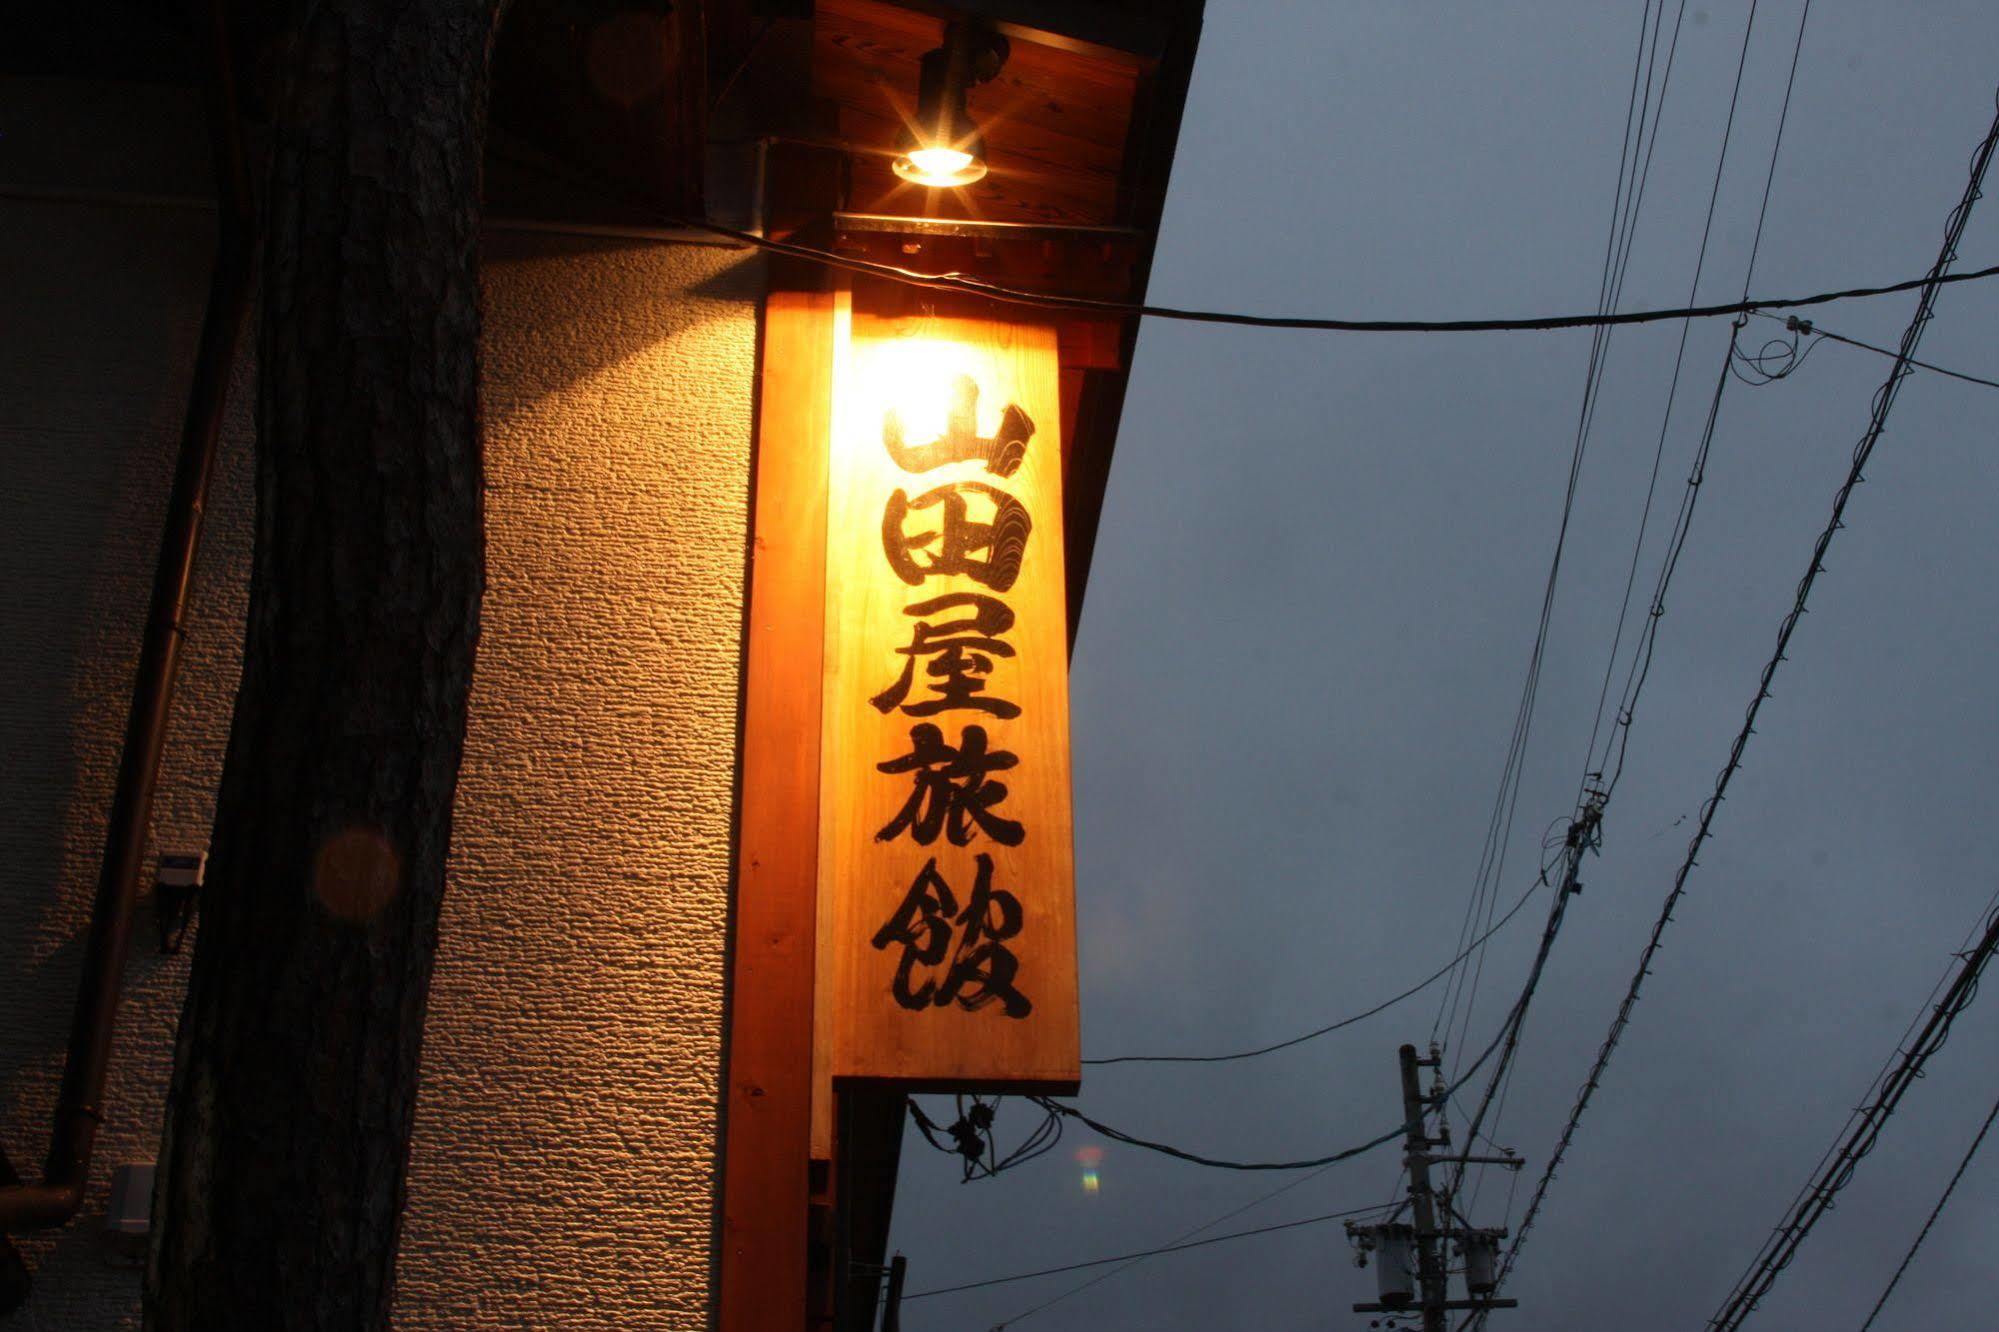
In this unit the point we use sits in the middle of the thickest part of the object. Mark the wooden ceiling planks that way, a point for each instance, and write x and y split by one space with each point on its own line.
1055 120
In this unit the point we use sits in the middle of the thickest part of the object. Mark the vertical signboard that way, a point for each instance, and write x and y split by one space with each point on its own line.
947 946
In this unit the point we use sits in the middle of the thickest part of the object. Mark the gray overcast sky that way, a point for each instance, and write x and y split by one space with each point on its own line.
1309 619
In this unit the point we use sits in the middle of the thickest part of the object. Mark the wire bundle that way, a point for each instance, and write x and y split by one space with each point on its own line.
1884 400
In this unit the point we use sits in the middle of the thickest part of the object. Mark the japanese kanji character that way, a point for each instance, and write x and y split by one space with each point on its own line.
949 792
981 969
961 653
954 548
961 441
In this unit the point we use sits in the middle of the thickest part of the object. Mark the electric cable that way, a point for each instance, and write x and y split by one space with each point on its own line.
1042 1141
1478 1181
1776 146
1584 832
970 285
1592 796
976 1144
1884 400
1362 1016
1144 1253
1818 333
1174 1243
966 284
1935 1212
1463 990
1679 360
1895 1052
1610 771
1625 205
1219 1163
1583 835
1331 1158
1777 358
1856 1142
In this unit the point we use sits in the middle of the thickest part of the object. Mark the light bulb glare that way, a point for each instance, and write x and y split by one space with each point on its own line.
940 166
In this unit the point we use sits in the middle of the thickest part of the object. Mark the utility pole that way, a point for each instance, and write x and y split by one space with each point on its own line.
1429 1263
1392 1242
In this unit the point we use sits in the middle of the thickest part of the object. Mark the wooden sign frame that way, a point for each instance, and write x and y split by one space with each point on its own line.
781 1102
946 899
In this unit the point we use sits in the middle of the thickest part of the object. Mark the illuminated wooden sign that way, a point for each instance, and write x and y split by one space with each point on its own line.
946 935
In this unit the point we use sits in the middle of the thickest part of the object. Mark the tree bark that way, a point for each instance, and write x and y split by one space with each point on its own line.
295 1070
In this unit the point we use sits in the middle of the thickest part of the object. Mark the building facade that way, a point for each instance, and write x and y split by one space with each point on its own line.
569 1167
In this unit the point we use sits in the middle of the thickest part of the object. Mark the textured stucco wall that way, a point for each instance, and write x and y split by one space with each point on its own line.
566 1149
566 1155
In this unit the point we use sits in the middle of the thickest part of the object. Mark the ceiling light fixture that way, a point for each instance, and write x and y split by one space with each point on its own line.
943 148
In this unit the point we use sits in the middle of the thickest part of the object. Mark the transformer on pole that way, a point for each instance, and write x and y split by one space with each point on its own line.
1412 1274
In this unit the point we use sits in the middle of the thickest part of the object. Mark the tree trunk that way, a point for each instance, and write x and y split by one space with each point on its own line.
295 1071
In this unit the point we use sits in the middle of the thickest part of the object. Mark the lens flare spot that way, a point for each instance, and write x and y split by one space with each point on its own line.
1090 1158
356 873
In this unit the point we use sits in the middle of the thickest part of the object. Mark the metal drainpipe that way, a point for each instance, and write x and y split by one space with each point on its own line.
78 1110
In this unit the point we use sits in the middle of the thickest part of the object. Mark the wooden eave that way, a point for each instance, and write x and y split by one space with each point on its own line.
611 113
1080 126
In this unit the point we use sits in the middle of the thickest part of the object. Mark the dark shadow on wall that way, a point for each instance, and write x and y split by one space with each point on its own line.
93 399
90 411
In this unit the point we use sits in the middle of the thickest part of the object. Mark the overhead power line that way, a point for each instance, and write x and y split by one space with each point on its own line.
1609 770
1634 172
1884 401
1593 791
1179 1241
1320 1169
1635 680
1777 141
1145 1253
1582 836
1330 1027
1814 330
1864 1131
1332 1158
1935 1212
1219 1163
971 286
1673 384
1808 327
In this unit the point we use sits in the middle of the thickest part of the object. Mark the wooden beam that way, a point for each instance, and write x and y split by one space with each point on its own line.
1087 27
769 1096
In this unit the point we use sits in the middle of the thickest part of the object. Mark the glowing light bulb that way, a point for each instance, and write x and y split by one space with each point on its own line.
940 146
940 166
